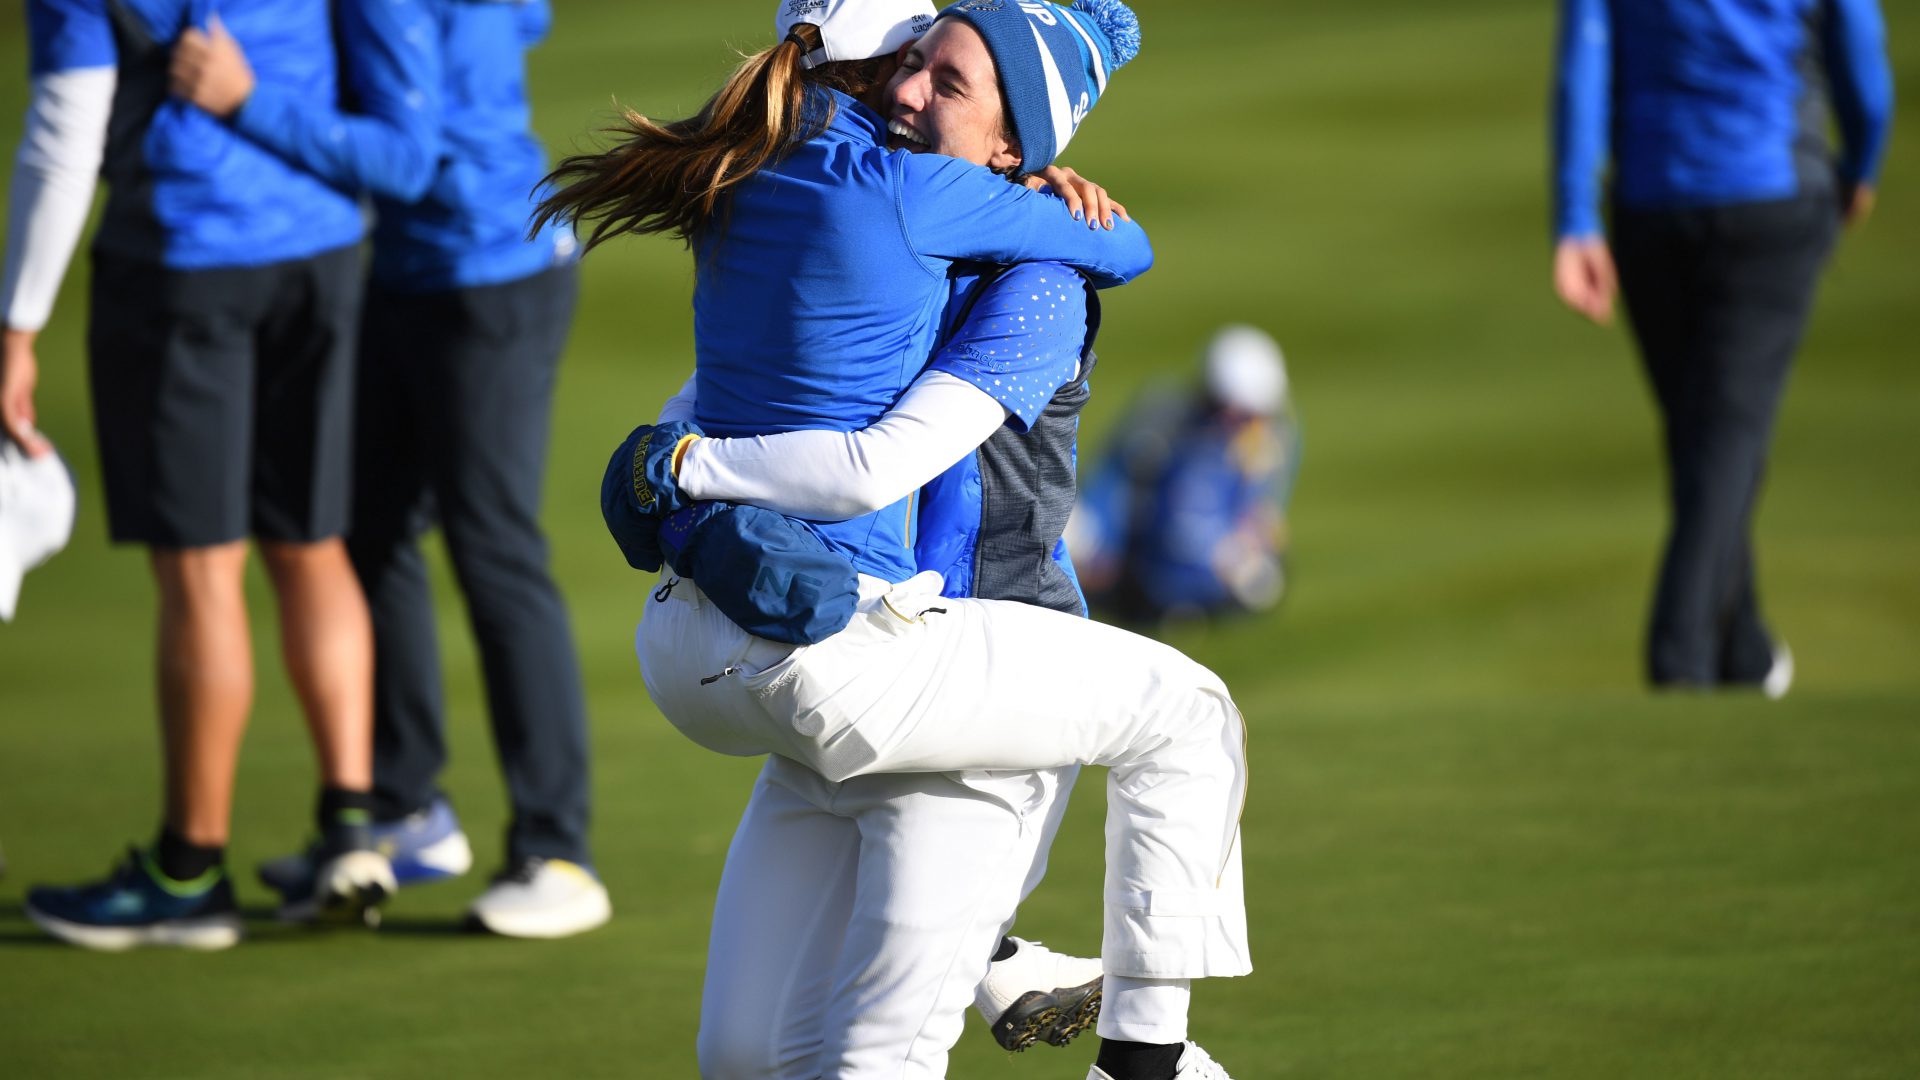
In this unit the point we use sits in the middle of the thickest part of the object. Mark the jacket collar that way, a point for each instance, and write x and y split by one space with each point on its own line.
851 121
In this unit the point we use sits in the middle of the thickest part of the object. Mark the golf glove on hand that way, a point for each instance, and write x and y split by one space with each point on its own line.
638 490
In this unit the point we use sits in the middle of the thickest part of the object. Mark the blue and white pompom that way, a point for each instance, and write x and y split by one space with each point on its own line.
1119 23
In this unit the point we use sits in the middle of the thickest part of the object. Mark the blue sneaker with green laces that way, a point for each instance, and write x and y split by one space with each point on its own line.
138 905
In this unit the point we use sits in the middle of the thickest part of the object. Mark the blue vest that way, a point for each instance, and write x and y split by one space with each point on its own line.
185 189
993 524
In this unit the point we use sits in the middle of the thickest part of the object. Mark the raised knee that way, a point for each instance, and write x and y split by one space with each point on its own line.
1206 683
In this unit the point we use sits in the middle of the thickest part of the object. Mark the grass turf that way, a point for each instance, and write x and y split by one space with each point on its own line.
1475 846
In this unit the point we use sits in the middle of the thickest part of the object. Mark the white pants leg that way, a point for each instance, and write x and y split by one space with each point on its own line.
785 898
943 862
922 683
1049 818
855 919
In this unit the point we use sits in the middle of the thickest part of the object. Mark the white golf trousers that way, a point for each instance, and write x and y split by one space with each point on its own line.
924 683
854 919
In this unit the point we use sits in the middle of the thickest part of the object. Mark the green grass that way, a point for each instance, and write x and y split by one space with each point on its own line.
1475 848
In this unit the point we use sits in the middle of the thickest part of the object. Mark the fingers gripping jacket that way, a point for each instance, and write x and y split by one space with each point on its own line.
768 573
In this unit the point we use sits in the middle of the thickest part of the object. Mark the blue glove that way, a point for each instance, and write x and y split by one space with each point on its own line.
637 534
651 450
638 490
768 573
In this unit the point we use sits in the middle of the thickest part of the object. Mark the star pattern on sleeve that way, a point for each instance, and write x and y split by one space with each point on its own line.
1023 339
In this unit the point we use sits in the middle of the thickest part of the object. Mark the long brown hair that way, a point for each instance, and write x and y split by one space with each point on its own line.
670 177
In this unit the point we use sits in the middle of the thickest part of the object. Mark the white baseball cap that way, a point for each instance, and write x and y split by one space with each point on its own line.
36 516
854 29
1244 370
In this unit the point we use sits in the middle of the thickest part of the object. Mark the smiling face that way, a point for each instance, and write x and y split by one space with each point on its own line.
946 99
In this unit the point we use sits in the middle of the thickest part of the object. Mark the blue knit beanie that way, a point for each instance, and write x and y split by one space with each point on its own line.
1054 63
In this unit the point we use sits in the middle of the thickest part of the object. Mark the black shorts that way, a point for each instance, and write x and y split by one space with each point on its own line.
223 399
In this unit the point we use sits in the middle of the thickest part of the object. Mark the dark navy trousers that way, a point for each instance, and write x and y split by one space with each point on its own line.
455 396
1718 298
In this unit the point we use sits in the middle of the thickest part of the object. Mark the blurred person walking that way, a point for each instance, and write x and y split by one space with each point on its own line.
225 297
1726 203
466 320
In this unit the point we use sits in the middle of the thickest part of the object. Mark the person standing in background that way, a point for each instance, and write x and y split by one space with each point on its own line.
466 319
225 300
1726 202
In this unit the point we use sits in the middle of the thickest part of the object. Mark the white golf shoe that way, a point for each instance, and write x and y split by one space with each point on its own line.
542 898
1780 675
1195 1064
350 887
1038 995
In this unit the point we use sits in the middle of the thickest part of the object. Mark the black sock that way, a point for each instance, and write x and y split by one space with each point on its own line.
1139 1061
184 861
1007 949
344 817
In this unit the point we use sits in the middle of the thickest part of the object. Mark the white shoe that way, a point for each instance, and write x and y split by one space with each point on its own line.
1194 1064
1780 676
542 898
1038 994
351 886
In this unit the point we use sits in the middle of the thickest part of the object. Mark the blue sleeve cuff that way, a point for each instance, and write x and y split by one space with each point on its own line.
263 116
1582 227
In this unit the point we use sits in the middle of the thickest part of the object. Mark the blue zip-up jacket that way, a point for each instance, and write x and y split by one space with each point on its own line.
440 132
992 525
1713 102
818 298
184 190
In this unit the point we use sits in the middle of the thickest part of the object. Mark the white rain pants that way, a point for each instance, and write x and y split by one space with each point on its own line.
920 683
854 919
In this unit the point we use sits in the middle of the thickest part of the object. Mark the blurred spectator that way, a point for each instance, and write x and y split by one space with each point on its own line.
1726 202
1186 514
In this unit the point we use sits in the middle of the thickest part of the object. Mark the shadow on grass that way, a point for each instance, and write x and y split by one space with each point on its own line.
430 928
17 930
264 927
